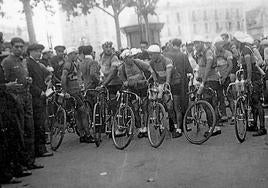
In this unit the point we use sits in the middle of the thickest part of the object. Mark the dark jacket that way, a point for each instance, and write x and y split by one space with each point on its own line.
183 66
38 73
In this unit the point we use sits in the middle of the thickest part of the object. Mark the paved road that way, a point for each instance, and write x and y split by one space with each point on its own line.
220 162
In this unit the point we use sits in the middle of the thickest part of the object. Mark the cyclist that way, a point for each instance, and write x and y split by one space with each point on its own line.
70 86
254 78
224 67
132 75
179 82
57 62
109 63
208 75
163 68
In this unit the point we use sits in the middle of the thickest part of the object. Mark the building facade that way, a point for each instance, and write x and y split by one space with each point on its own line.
186 19
257 22
93 29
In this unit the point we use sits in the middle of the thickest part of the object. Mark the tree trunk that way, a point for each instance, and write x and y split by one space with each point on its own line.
117 29
146 21
29 20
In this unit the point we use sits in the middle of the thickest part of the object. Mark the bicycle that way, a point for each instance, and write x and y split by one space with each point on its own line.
61 117
243 111
158 116
124 119
102 115
200 114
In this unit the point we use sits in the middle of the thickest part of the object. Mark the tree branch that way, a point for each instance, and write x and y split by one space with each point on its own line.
122 8
105 11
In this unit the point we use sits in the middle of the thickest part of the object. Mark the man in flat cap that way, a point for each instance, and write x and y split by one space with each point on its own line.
57 62
46 57
15 69
39 74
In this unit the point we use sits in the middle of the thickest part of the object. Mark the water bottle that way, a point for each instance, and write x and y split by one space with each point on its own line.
242 84
237 85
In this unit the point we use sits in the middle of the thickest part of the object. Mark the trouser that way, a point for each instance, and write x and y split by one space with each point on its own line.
256 103
39 113
11 145
142 93
80 114
212 98
26 117
5 162
175 107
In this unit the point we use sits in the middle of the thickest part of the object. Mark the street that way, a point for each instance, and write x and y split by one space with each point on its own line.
220 162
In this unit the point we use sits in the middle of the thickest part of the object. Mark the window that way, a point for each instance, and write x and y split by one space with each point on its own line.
193 16
167 19
178 17
194 29
216 14
217 27
205 15
206 27
227 14
179 30
168 31
230 26
238 25
237 13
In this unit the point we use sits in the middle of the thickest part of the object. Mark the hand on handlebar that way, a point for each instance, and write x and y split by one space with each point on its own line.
166 86
200 89
125 84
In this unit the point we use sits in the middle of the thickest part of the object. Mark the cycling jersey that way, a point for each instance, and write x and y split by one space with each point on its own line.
159 66
246 50
202 62
107 63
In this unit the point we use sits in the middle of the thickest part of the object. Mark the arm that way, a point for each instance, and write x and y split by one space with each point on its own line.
6 69
64 75
111 75
64 80
229 63
169 67
249 67
146 66
114 70
95 72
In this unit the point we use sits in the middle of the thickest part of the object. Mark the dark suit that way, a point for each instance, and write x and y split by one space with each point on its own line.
38 73
11 134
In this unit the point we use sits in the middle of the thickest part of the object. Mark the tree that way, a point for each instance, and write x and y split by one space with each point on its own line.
144 8
28 6
75 7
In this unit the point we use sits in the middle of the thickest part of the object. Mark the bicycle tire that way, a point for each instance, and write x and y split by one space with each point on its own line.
241 115
153 126
129 129
58 129
207 108
96 123
89 112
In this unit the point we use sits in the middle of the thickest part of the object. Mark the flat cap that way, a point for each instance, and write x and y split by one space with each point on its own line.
35 46
59 47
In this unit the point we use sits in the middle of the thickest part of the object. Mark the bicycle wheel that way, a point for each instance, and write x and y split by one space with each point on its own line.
97 123
58 128
241 120
157 122
89 113
123 127
199 122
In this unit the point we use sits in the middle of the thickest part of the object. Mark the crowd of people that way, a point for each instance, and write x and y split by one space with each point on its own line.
28 70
